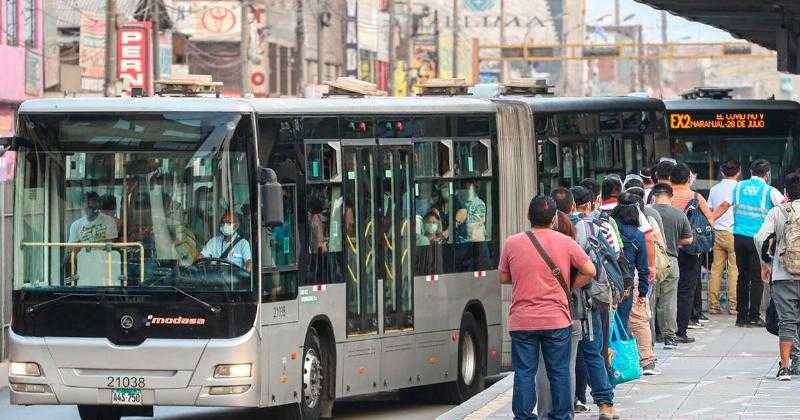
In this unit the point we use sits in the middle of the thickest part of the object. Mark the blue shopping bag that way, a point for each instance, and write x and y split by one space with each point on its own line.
623 354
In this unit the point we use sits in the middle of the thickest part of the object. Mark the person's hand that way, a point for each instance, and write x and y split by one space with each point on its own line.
461 216
766 273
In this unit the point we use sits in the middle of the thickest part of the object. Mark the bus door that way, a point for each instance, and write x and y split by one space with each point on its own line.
394 270
378 234
361 205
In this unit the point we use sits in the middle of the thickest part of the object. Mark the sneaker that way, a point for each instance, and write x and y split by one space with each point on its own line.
757 324
606 412
650 370
783 374
684 339
694 325
581 407
794 370
703 318
670 343
742 324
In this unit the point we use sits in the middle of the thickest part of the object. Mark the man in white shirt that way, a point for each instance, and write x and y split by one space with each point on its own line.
724 253
94 226
228 245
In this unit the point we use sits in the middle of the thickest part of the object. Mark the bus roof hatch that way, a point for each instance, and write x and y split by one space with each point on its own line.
527 87
349 86
444 87
707 93
189 85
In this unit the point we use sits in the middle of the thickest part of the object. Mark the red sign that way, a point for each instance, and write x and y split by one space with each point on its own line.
134 53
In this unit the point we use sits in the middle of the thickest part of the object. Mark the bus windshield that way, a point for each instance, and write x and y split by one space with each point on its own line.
145 201
704 139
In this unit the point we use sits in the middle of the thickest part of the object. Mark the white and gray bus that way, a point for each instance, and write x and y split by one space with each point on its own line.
268 252
260 252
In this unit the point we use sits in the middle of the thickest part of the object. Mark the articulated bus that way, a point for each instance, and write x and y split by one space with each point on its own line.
260 252
707 127
277 253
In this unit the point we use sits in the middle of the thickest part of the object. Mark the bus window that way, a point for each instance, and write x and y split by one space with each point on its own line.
567 165
322 161
609 121
472 158
433 158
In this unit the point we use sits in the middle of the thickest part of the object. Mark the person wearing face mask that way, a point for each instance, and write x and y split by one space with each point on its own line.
94 225
470 216
228 245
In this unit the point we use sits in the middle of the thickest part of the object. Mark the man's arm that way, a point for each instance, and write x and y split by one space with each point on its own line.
248 266
505 278
685 236
721 209
767 228
706 211
586 273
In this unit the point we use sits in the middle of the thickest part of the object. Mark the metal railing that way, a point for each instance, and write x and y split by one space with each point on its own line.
107 246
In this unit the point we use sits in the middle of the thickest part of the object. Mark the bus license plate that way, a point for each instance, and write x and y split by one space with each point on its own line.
122 396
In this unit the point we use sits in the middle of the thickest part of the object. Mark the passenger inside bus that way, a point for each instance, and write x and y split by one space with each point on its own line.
201 215
229 245
94 225
471 215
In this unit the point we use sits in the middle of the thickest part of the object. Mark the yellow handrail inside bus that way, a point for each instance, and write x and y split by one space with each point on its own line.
106 245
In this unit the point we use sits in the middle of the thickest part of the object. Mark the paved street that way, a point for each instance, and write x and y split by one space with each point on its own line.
728 373
382 408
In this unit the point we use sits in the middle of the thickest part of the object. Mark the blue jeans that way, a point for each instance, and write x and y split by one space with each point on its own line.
555 346
592 354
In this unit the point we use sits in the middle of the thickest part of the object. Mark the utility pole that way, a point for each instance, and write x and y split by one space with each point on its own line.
244 51
660 62
504 63
320 57
616 14
155 12
299 50
111 44
392 52
455 23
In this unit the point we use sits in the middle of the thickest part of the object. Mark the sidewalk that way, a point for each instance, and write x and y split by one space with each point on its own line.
3 375
728 373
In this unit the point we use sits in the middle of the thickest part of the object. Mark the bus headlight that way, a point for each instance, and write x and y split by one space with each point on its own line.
242 370
228 390
24 369
31 388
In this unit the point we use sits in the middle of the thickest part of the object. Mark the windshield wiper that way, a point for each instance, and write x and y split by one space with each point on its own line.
203 303
40 305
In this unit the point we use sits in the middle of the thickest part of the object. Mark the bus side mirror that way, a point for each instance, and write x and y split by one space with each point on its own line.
271 198
13 143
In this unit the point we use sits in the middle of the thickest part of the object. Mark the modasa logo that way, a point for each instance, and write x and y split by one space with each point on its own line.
170 320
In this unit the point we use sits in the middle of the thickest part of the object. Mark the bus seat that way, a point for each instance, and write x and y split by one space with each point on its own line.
93 267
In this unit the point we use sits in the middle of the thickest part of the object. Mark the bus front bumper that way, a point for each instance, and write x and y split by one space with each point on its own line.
87 371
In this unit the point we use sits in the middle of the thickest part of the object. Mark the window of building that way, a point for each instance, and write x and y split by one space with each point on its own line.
29 13
11 22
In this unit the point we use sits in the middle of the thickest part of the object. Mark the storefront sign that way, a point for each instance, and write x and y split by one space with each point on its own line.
92 51
134 52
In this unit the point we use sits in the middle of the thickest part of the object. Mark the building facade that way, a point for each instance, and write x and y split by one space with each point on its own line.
21 42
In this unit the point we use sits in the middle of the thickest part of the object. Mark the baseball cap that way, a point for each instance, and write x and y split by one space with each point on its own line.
581 195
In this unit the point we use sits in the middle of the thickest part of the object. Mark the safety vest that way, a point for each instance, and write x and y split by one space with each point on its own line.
752 199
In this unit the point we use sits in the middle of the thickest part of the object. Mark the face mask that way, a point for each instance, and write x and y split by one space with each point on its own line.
91 212
227 229
431 228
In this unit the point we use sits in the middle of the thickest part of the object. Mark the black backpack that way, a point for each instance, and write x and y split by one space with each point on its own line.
702 230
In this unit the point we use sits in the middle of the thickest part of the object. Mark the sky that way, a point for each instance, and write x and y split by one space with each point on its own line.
679 29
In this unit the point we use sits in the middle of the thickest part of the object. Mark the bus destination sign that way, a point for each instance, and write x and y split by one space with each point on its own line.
726 120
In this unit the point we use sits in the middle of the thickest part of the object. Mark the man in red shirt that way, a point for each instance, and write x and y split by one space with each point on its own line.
539 318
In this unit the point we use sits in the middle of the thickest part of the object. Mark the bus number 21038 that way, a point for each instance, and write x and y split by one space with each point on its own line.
131 382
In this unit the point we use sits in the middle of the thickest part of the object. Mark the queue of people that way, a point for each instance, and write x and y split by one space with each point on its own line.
660 233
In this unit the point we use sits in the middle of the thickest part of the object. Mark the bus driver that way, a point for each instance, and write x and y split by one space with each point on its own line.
229 245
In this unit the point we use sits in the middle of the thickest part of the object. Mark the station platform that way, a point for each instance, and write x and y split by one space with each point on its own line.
728 373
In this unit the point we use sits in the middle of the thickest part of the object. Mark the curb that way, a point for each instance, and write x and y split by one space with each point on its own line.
481 399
